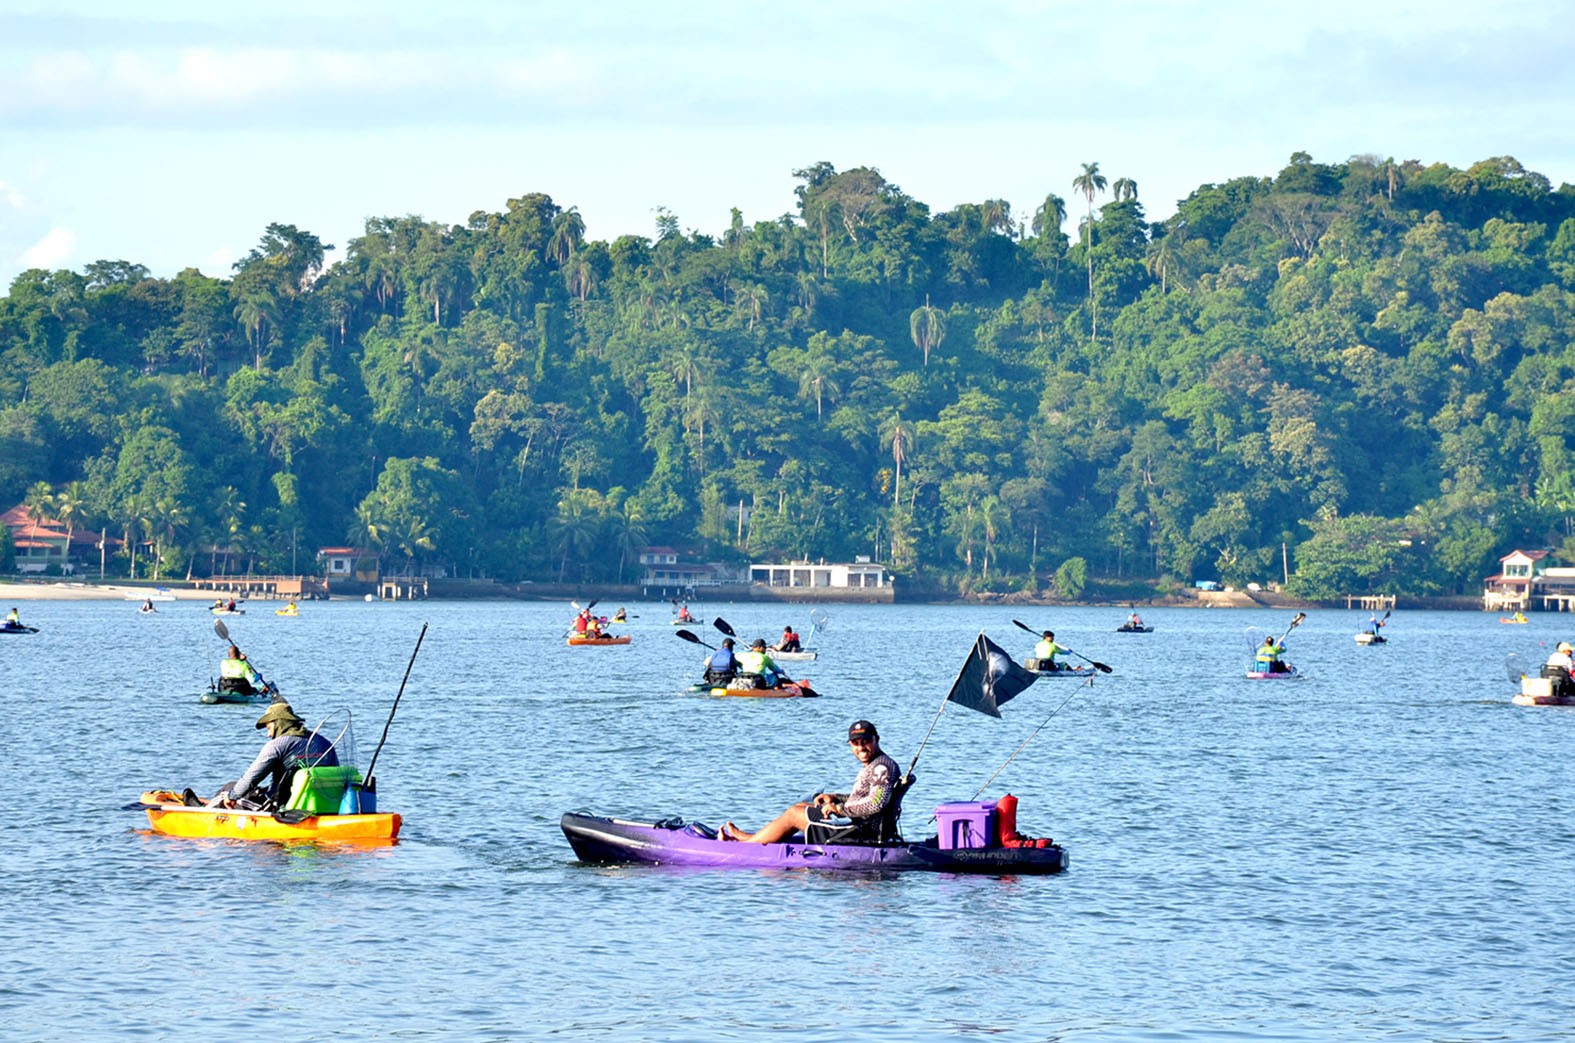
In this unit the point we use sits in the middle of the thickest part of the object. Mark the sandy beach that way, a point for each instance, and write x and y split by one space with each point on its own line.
75 590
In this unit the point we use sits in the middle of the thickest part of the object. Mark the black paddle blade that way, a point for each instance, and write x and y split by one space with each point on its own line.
1025 626
722 625
690 637
1101 667
222 630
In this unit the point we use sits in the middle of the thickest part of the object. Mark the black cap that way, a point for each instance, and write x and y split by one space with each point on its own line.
862 730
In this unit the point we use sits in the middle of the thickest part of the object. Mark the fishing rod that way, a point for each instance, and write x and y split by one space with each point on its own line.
1087 683
371 781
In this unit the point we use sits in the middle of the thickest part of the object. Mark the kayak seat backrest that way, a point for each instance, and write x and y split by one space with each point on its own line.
877 829
320 790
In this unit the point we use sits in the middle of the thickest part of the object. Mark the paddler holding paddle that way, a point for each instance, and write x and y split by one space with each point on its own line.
237 675
1046 651
1268 655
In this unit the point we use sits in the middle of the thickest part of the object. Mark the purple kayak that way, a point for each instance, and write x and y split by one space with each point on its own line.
679 843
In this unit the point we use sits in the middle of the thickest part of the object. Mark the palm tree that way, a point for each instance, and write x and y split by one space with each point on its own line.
815 379
71 507
1050 216
574 529
1090 182
752 299
900 436
568 232
257 311
40 503
1124 189
628 535
167 519
927 326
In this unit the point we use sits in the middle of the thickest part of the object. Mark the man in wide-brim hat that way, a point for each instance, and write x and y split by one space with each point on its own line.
290 745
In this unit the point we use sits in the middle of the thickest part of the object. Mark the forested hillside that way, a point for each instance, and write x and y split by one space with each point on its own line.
1368 364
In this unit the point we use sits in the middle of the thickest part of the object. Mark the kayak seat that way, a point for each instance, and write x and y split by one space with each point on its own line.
320 790
877 829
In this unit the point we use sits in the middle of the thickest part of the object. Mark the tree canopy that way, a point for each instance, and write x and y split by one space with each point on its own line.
1365 368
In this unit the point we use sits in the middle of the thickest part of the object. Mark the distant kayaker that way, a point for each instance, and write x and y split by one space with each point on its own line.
582 621
1373 623
1268 656
756 661
13 618
871 793
1133 621
289 746
620 616
684 616
1046 651
722 664
236 674
789 642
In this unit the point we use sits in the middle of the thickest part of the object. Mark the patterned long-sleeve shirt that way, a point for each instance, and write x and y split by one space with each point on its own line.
872 789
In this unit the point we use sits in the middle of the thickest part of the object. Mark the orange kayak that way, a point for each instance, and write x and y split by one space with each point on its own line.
168 816
580 639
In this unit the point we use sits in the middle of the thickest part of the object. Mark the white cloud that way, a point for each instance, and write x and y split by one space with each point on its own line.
52 251
11 194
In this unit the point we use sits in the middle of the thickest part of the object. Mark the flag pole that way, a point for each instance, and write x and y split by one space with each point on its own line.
978 647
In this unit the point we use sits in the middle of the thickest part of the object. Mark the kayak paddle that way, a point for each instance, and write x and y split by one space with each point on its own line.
1101 667
692 639
722 625
1294 624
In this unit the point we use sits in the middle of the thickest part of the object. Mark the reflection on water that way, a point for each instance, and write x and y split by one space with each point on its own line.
1375 850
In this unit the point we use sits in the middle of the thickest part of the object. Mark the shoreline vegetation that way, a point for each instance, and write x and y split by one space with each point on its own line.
81 590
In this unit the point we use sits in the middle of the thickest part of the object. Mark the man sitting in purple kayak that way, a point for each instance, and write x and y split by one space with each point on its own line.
871 793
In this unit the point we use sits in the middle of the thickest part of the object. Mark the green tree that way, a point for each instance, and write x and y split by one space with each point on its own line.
1090 183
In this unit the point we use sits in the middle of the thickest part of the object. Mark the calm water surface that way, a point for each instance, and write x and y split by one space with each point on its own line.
1379 851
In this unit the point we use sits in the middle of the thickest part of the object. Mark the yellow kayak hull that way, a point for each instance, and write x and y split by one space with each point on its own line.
169 817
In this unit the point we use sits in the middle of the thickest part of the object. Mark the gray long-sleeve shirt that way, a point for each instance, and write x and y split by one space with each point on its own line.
279 755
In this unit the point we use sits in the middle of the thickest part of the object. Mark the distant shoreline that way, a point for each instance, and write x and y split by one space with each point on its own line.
76 590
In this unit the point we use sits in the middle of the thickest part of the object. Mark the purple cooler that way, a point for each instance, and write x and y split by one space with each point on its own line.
967 824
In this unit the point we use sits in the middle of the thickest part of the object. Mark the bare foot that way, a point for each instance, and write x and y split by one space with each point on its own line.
731 832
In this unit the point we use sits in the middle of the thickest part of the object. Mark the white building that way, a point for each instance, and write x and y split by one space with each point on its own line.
861 574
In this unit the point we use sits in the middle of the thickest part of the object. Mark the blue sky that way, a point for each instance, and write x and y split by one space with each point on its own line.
171 133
